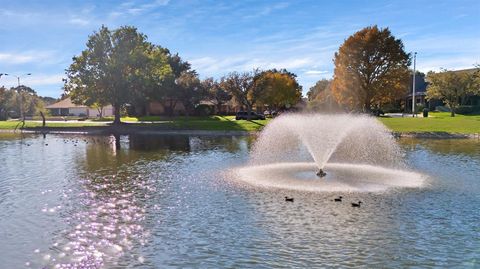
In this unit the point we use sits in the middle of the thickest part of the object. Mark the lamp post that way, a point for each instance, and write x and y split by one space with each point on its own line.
413 86
18 90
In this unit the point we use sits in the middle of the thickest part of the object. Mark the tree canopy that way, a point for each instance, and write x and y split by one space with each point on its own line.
277 89
371 68
242 87
116 67
20 100
452 86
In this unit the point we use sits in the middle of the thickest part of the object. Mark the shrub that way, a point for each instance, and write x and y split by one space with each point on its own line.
468 110
203 110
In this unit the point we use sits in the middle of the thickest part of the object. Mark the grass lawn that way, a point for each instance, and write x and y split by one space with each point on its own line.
30 124
437 122
216 123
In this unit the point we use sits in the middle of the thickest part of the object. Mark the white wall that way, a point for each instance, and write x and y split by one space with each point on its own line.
107 112
76 111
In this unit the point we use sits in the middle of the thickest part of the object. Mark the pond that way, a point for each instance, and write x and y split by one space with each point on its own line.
169 202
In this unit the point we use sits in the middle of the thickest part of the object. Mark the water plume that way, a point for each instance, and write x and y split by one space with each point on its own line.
356 151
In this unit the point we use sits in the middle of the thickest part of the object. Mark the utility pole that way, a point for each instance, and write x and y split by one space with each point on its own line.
413 86
22 114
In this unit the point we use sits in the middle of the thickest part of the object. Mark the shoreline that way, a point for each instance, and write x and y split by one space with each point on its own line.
126 130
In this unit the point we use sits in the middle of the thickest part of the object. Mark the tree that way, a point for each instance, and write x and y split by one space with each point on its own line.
20 100
277 89
114 69
173 92
242 87
319 88
3 103
371 68
189 90
451 87
320 97
216 92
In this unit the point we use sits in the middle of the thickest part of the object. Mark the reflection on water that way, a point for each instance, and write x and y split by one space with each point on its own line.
164 201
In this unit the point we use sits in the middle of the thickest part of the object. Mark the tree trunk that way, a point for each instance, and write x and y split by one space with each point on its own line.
116 109
249 112
43 118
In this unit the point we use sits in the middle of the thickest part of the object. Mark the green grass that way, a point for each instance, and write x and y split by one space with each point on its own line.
215 123
31 124
437 122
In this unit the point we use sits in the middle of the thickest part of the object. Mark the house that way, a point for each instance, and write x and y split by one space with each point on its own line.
420 91
65 107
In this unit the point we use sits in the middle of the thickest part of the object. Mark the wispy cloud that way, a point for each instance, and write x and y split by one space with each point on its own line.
134 8
34 80
266 10
12 58
315 72
79 21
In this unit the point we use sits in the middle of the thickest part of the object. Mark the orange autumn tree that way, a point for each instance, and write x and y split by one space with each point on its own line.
277 89
371 69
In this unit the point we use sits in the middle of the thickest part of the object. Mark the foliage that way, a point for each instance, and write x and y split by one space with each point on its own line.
468 110
277 89
451 87
216 92
371 69
183 84
189 90
20 100
320 88
115 68
320 97
242 87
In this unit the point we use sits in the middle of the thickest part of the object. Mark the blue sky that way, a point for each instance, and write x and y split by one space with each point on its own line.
217 37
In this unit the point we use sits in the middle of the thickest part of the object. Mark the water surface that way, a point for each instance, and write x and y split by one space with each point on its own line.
168 202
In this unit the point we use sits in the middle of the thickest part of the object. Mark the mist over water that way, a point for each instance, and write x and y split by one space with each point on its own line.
357 152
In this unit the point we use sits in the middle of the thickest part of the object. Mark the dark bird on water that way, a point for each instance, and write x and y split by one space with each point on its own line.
288 199
339 199
356 204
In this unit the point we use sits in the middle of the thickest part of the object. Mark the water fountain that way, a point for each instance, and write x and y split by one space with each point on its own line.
318 152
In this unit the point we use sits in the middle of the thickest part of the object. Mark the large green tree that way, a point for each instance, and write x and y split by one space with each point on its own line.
189 91
115 68
175 89
371 68
452 86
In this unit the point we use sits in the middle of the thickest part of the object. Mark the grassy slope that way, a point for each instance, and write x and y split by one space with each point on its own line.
437 122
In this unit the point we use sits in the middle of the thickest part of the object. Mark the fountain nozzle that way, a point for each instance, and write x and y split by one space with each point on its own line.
321 173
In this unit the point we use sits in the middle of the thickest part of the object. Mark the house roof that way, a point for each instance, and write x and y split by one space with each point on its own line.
65 103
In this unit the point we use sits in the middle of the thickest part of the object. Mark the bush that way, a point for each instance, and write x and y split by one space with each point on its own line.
203 110
468 110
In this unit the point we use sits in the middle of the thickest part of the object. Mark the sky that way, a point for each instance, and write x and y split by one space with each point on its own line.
218 37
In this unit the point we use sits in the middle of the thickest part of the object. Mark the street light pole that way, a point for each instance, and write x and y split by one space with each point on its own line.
413 86
22 114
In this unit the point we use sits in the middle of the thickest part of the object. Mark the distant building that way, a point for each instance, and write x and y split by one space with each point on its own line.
65 107
420 91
